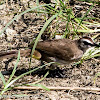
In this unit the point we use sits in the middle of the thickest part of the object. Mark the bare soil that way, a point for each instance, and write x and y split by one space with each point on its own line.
21 32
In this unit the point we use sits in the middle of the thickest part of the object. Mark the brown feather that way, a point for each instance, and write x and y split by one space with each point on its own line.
14 54
60 48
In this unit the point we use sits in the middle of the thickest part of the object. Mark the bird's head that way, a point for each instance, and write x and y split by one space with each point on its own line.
86 42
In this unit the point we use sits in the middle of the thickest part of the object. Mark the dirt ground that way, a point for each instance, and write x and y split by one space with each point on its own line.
20 33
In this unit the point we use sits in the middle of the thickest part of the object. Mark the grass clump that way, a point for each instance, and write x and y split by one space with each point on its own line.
8 85
58 13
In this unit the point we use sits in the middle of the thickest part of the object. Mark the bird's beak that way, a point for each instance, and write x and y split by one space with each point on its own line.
96 45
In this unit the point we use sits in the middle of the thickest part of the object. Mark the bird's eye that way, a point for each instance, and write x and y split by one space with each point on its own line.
86 43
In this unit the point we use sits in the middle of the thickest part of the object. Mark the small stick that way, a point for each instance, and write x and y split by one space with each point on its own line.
58 88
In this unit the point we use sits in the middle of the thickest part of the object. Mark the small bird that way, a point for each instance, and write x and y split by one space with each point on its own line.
63 51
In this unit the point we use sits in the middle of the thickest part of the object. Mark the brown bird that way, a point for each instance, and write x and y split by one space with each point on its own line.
62 51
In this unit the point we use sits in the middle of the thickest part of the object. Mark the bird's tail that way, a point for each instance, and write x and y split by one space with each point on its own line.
23 53
14 53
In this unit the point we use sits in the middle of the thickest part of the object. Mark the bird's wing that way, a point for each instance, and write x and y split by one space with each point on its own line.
60 48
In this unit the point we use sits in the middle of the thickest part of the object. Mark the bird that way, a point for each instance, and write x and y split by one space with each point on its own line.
63 51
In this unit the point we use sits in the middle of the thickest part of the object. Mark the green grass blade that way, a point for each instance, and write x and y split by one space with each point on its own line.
37 3
21 15
6 85
14 70
5 89
26 74
89 31
92 23
85 16
2 78
78 21
98 74
31 84
41 32
62 4
42 86
90 53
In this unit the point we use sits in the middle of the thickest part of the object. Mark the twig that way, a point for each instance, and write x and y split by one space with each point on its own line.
58 88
